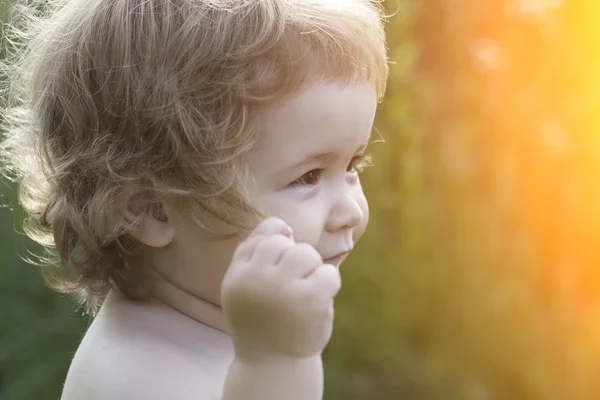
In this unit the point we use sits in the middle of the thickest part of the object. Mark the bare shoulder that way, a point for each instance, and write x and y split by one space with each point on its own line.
144 353
139 371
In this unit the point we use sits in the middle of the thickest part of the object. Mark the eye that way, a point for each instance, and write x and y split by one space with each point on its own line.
311 178
359 163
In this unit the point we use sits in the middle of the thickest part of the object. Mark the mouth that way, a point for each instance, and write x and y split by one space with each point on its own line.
337 259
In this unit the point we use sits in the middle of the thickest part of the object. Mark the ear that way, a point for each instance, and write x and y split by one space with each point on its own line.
153 227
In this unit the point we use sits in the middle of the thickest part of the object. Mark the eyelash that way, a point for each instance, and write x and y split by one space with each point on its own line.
358 164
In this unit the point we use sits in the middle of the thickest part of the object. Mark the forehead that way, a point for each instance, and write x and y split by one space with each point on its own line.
326 118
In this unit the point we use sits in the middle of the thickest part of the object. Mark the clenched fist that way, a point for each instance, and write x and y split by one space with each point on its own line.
278 295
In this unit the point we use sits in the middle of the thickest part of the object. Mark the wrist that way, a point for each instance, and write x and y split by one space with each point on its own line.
266 359
257 350
275 377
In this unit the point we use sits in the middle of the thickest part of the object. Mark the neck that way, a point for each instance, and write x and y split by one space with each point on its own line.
187 303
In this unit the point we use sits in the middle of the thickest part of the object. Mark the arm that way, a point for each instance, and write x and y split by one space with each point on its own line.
277 297
284 378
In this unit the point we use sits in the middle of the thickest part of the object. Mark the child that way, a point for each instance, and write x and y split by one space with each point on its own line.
194 163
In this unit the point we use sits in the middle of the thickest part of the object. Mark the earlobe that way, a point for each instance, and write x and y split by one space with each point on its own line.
152 225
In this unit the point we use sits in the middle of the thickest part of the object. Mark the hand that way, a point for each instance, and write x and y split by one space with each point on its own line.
278 295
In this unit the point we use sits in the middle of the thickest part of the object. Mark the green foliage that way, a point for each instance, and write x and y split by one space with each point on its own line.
40 329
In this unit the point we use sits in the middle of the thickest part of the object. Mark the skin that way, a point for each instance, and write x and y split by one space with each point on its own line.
330 215
320 200
278 299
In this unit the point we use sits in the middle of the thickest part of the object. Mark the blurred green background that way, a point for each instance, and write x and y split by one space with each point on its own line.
479 276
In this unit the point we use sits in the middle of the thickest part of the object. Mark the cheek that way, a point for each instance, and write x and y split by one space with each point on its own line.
306 218
361 200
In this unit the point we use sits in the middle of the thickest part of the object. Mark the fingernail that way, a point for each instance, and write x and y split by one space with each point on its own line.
287 231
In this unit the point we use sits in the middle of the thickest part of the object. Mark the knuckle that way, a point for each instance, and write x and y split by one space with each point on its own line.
280 241
337 281
244 247
274 242
309 252
331 275
273 223
237 253
275 220
268 226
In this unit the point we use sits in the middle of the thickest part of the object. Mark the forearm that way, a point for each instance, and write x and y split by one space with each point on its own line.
275 379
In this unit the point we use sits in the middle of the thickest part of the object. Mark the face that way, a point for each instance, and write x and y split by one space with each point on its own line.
307 165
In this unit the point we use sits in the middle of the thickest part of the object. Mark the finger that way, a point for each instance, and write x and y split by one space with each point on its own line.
300 260
268 227
271 249
326 280
246 248
272 226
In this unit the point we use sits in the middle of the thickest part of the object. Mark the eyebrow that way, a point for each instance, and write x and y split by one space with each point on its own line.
320 156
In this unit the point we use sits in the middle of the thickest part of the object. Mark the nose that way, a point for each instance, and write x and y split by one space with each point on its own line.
345 212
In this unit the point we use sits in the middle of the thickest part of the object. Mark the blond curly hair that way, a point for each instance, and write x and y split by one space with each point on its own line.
106 96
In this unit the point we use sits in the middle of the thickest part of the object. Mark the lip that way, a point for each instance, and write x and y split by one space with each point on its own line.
335 260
